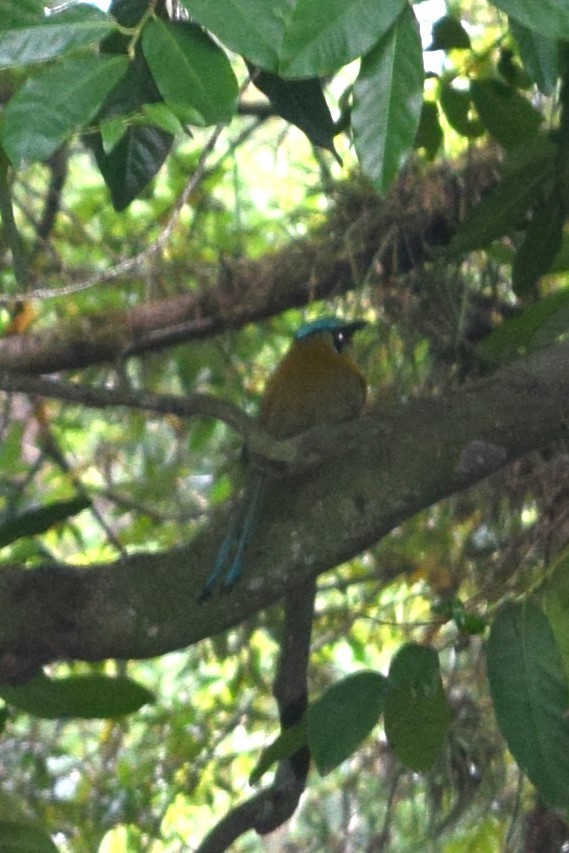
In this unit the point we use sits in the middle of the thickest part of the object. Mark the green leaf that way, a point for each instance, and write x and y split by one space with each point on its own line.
510 69
465 620
288 742
84 696
449 34
11 449
429 133
36 521
561 261
537 326
530 696
556 606
22 14
457 107
302 103
252 28
506 114
139 154
416 711
388 97
4 717
540 56
318 41
343 716
132 163
111 130
20 838
551 18
50 107
541 244
190 71
502 209
53 36
160 115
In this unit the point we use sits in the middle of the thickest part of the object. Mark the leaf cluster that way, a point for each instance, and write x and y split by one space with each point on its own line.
139 79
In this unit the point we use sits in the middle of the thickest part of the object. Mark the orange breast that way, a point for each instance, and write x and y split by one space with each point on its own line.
313 384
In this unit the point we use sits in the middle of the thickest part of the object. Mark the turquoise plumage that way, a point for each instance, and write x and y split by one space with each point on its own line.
315 383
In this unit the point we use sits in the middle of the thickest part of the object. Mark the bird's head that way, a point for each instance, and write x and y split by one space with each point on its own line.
339 330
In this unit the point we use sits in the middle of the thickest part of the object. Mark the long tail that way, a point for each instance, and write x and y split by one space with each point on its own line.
234 543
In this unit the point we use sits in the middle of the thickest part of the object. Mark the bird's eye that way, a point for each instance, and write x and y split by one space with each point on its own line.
340 339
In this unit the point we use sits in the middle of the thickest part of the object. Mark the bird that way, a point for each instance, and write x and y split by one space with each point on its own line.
316 383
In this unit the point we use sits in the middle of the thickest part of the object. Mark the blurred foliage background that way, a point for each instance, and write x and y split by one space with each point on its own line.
158 779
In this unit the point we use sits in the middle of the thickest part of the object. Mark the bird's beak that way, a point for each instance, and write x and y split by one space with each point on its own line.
352 328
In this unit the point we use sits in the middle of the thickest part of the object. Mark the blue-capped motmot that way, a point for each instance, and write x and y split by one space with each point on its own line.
316 383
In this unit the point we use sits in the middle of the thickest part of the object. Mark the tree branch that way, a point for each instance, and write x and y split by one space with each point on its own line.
361 234
403 460
268 809
197 405
288 457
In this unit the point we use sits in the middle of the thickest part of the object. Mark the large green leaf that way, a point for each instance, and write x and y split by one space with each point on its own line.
343 716
556 606
541 243
449 34
132 163
550 17
36 521
253 28
20 838
388 97
540 56
507 115
503 208
530 696
537 326
24 13
85 696
457 106
50 107
53 35
136 158
302 103
320 38
416 711
192 73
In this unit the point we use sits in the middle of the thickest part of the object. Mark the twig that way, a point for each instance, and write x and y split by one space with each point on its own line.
58 165
271 807
11 229
53 451
130 264
138 260
204 405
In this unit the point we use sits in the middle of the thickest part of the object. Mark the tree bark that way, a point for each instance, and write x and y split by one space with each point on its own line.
373 473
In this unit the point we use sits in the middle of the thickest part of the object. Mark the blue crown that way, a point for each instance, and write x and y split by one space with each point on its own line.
328 324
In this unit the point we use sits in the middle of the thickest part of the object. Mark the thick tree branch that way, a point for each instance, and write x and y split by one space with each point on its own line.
361 234
401 461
